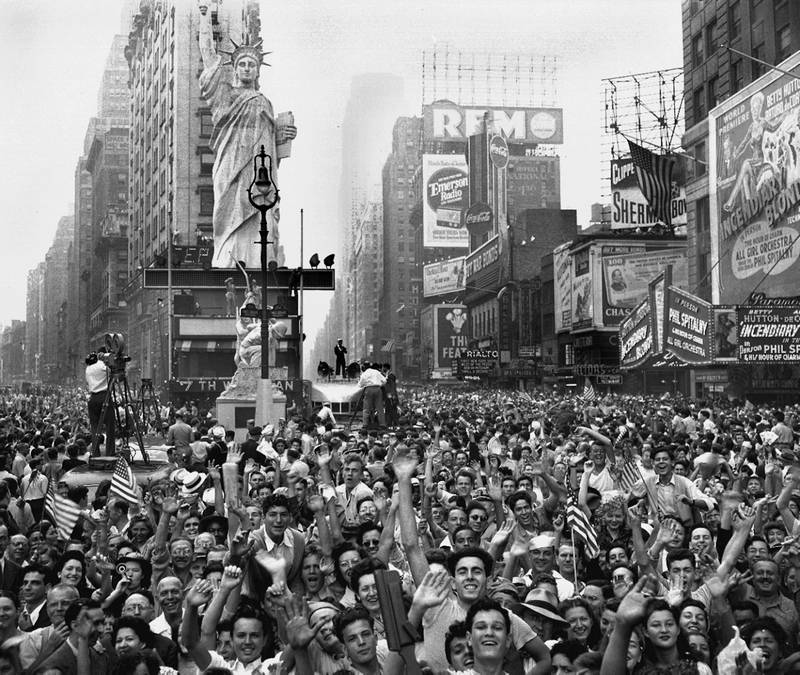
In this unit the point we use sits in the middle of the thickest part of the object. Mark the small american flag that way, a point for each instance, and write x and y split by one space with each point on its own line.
580 525
629 474
123 482
589 394
63 512
654 175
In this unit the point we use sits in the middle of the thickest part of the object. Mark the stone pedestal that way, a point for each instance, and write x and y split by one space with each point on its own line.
247 397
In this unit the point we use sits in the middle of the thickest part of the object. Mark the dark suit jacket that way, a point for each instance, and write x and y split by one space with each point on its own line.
12 576
41 621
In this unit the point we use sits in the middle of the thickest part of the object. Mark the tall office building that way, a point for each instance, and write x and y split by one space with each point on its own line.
368 269
374 101
399 302
171 193
53 361
34 311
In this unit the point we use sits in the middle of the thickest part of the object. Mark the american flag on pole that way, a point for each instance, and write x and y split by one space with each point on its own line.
589 394
123 482
654 175
580 525
629 474
63 512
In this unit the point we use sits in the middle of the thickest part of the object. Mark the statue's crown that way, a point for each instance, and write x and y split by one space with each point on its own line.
247 49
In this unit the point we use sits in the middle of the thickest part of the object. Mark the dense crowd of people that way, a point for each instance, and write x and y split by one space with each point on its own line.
484 532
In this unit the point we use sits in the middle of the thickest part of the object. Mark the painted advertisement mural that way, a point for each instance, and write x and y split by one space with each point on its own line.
754 184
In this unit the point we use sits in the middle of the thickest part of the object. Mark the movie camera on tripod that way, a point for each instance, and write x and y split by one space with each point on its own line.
118 394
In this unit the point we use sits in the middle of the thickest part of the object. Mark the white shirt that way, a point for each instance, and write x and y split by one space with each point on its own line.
236 666
371 378
96 377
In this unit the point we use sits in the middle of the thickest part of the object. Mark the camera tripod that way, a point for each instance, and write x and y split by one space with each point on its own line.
118 395
148 403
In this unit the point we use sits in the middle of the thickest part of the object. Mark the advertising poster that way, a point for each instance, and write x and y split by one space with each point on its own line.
450 334
726 338
687 327
626 276
445 276
582 301
636 336
629 208
769 334
446 184
534 183
658 290
562 287
754 189
613 314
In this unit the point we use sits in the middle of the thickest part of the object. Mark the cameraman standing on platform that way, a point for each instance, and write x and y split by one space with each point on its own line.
97 384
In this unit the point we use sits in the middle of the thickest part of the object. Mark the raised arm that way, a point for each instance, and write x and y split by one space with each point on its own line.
207 50
404 468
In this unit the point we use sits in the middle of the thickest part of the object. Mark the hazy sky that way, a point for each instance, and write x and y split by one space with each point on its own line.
54 52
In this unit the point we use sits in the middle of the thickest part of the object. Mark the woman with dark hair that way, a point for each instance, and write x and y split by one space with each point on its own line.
583 626
766 638
10 634
71 570
665 648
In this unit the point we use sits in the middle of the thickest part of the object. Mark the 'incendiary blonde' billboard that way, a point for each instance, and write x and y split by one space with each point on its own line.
754 186
446 182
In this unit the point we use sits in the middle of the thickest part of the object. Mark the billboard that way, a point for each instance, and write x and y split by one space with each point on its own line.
445 276
582 301
687 327
726 335
629 208
447 121
626 277
450 334
446 198
769 334
754 188
562 287
534 183
636 336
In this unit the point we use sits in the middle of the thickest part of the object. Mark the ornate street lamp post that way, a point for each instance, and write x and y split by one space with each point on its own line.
263 195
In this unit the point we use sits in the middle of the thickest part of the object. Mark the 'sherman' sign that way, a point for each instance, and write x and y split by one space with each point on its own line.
769 334
450 122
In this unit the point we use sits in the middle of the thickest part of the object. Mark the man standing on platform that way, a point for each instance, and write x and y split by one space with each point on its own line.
97 384
372 382
341 364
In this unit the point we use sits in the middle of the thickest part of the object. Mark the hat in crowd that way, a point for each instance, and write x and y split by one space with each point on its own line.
217 432
541 602
499 586
192 482
136 557
542 541
268 430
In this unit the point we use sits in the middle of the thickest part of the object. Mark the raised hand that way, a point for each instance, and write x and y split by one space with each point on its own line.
275 566
494 489
316 503
631 609
231 577
521 545
434 589
200 593
323 455
500 537
405 466
298 631
234 455
214 474
676 592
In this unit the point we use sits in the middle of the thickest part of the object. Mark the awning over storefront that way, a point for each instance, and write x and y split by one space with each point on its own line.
205 345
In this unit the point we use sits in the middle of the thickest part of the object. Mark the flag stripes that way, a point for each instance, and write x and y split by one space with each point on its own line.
628 475
580 525
63 512
123 482
589 394
654 176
